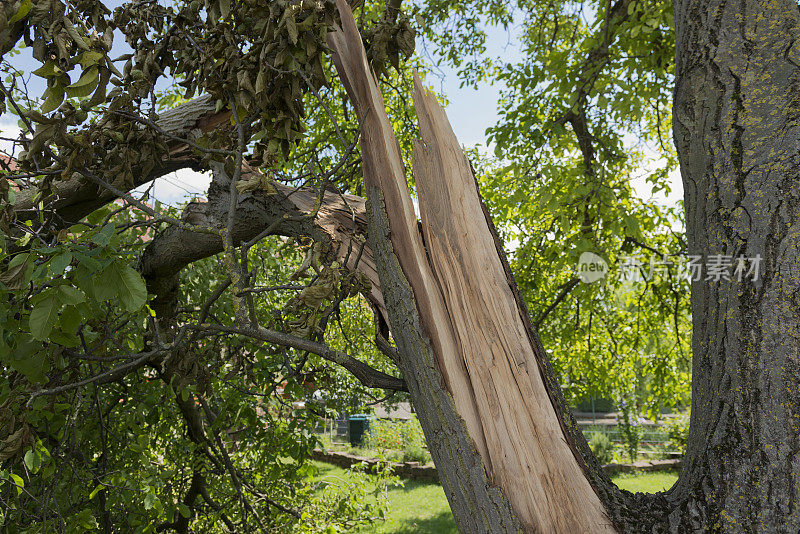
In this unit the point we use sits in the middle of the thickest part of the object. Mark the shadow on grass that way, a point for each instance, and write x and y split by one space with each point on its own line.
442 523
420 507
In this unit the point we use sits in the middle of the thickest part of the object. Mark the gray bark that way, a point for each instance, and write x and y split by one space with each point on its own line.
77 197
737 131
477 506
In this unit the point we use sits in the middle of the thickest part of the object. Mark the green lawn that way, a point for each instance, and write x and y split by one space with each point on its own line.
421 508
646 482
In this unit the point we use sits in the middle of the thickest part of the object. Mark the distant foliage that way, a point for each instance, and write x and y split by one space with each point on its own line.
602 447
414 453
395 434
677 430
630 424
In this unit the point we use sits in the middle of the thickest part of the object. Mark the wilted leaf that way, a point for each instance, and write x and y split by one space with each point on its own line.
54 95
21 13
14 277
13 444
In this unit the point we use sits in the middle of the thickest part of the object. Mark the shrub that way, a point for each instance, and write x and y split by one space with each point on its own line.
677 430
602 447
630 425
414 453
394 434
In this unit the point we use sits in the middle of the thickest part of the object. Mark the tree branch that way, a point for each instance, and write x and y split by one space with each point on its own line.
368 376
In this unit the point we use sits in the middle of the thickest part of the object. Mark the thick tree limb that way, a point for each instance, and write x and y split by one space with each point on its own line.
339 223
78 196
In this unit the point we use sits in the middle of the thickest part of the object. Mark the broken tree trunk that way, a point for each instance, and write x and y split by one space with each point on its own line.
472 362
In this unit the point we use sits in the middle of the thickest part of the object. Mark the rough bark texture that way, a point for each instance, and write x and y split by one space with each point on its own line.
477 506
737 131
339 223
78 196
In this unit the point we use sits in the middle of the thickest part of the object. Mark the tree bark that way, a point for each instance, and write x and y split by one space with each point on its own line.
77 197
473 364
737 131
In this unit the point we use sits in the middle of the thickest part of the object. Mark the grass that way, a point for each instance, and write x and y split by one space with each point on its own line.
421 508
646 482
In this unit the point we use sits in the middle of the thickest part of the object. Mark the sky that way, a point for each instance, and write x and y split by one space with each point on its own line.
471 111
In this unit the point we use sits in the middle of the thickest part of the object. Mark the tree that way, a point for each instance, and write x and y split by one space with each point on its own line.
130 399
744 435
735 75
584 114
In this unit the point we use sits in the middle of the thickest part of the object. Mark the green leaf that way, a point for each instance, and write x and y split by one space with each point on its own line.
19 482
95 491
121 281
90 58
89 77
80 92
47 70
70 319
33 461
86 84
43 316
184 510
103 237
59 263
54 95
150 500
69 295
132 290
21 13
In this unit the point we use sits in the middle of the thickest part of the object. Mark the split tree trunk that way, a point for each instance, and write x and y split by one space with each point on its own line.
737 131
467 344
508 452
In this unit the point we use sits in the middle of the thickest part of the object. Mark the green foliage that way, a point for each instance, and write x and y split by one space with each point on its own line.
397 434
584 113
348 499
630 425
677 430
602 447
414 453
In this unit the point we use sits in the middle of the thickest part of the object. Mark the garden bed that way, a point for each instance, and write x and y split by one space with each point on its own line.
409 470
415 471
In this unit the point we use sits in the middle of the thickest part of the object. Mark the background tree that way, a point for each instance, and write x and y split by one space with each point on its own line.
78 318
584 114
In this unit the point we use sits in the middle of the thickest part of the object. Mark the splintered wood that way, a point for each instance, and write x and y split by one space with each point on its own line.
467 307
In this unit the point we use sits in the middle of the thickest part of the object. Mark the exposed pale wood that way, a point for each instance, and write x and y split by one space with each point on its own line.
383 169
339 222
343 218
467 308
527 452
